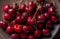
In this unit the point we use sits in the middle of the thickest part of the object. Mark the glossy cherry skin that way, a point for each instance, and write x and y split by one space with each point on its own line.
7 17
26 29
54 18
9 30
22 7
41 18
11 12
51 10
23 35
15 6
14 36
40 1
40 25
3 24
30 20
6 8
31 37
46 32
37 33
17 28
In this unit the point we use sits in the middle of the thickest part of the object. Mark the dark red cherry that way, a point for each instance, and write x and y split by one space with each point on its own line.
14 36
41 18
15 6
46 32
30 20
22 7
31 37
6 8
40 1
3 24
23 35
37 33
40 25
12 12
26 28
17 28
9 30
51 10
54 18
7 17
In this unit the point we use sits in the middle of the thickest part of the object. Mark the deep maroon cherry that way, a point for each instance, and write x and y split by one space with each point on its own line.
41 18
3 24
17 28
31 37
30 20
40 1
46 32
15 6
26 28
22 7
14 36
54 18
51 10
9 30
40 25
7 17
23 35
37 33
6 8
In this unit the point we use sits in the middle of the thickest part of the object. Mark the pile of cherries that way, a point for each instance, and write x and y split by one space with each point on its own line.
31 21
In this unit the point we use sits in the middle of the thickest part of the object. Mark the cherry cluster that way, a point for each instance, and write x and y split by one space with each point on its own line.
31 21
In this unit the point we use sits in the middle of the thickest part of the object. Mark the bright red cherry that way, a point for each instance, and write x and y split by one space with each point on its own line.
17 28
37 33
7 17
9 30
40 25
40 1
3 24
26 28
46 32
23 35
51 10
6 8
30 20
14 36
15 6
54 18
41 18
31 37
22 7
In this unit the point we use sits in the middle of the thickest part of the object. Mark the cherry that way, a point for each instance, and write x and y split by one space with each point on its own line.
7 17
26 29
14 36
40 25
54 18
30 20
31 37
9 30
51 10
22 7
23 35
41 9
40 1
46 32
3 24
17 28
6 8
37 33
15 6
41 18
